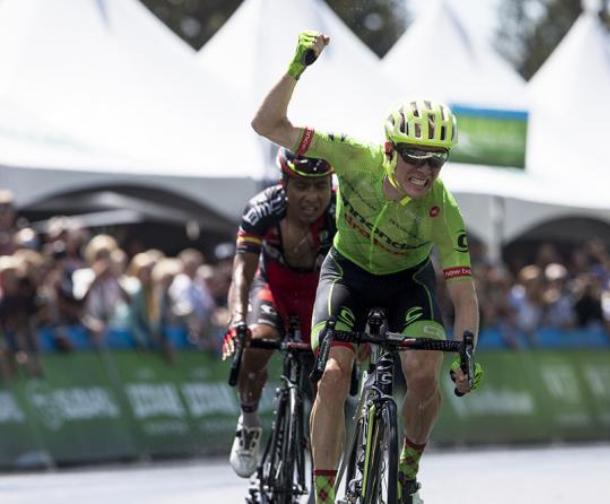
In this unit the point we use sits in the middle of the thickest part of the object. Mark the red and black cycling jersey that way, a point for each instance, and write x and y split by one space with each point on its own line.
260 230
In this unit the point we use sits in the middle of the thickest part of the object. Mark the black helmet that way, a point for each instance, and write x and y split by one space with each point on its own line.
301 166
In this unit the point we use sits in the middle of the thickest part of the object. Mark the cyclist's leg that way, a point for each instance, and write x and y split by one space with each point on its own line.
333 299
264 322
416 314
253 373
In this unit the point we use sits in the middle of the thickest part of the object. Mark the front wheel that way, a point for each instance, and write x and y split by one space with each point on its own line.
285 487
354 463
381 478
270 470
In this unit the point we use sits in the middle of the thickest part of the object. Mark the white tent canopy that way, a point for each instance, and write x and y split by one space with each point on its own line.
437 57
499 205
343 92
570 97
448 63
102 87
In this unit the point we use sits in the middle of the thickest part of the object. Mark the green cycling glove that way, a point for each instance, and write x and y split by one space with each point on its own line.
478 372
307 40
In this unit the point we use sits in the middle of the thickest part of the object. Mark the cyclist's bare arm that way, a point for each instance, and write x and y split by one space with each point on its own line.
244 269
271 120
464 298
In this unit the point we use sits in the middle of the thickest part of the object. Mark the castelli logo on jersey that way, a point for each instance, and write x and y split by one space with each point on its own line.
434 211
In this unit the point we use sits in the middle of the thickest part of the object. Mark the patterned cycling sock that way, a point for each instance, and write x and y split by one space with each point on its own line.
249 415
324 481
408 464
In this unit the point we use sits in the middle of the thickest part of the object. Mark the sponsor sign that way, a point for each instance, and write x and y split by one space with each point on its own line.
534 396
75 411
490 137
92 407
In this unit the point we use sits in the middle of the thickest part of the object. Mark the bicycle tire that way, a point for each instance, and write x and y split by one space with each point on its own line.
381 485
353 475
301 444
289 448
271 465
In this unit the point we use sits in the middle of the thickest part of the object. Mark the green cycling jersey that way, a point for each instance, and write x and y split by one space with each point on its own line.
383 236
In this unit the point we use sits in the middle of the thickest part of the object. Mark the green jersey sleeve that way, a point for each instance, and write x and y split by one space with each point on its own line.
341 151
450 238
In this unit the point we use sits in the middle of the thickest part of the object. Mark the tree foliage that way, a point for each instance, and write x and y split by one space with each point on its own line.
532 29
529 30
195 21
379 23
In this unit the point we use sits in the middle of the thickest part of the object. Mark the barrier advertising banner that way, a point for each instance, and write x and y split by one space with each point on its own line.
20 446
75 411
531 396
95 406
185 407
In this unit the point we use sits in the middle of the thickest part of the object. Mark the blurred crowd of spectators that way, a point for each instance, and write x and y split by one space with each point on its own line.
67 277
559 289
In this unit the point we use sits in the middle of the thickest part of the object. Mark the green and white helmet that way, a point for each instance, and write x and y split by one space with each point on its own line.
423 123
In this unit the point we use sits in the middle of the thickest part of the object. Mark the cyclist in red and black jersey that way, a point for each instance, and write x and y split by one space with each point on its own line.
285 233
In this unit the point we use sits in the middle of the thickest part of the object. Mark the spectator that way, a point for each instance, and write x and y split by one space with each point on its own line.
192 300
72 237
599 260
559 310
606 309
220 316
526 298
547 254
155 254
223 272
588 301
164 316
60 310
140 288
579 263
18 315
106 301
216 282
498 309
26 238
7 222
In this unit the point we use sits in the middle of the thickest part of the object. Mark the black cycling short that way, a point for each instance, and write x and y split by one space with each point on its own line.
347 292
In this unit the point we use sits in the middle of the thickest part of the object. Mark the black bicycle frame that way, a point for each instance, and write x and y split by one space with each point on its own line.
284 453
376 414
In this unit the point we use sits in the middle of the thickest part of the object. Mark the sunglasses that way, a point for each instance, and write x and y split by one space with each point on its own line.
419 157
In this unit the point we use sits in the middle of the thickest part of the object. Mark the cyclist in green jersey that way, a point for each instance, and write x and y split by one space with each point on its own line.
392 209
